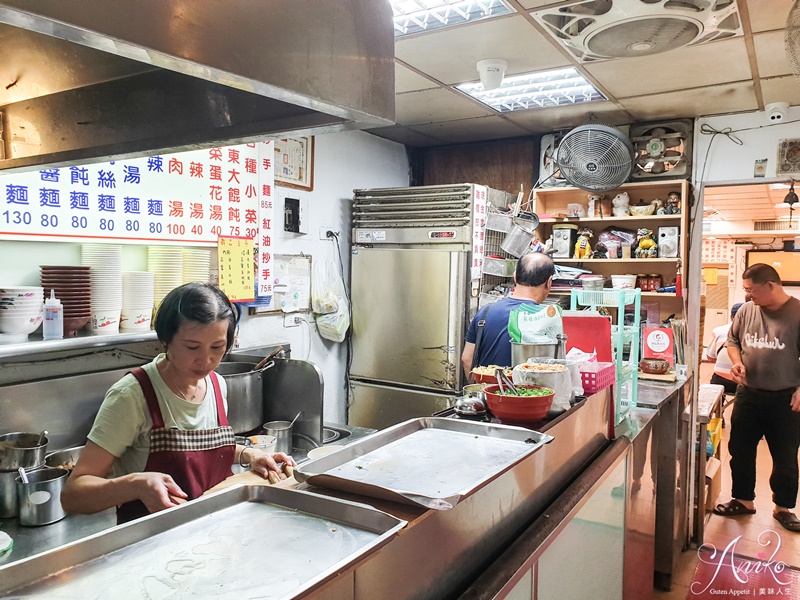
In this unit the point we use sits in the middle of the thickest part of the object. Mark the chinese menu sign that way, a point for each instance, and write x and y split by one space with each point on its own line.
235 263
478 226
185 198
188 198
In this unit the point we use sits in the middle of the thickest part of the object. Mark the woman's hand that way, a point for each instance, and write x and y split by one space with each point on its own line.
158 491
262 462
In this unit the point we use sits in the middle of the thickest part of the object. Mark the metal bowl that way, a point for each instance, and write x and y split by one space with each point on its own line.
21 449
64 459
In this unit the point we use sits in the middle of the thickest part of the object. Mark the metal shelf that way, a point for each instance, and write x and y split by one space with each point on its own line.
83 340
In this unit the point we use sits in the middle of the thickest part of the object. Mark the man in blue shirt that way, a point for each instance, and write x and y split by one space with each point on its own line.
533 278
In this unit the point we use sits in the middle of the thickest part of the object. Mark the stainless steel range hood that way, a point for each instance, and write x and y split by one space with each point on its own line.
84 81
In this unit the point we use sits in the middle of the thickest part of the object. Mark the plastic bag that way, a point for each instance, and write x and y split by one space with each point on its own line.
327 288
558 381
535 324
334 326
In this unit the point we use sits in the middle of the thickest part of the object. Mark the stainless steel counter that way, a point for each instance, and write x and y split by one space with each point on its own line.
33 540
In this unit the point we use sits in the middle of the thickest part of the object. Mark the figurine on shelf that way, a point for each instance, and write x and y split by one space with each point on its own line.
646 246
583 248
575 210
595 206
600 251
673 203
621 202
661 208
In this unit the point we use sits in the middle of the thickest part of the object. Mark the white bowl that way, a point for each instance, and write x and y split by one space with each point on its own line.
20 325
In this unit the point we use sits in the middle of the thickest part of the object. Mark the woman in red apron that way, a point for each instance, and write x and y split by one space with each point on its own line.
161 436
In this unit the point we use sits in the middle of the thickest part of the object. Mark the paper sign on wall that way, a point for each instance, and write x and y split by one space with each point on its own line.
658 343
235 261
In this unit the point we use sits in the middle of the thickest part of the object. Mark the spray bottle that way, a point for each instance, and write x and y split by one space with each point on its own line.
53 327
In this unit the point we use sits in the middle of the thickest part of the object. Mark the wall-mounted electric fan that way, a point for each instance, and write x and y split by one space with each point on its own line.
595 158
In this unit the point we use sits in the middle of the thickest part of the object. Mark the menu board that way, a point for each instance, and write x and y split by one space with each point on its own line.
185 198
235 264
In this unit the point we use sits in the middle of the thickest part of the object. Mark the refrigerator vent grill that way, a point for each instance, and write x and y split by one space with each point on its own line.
427 206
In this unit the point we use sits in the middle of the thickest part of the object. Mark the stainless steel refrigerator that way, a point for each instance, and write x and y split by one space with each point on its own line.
415 268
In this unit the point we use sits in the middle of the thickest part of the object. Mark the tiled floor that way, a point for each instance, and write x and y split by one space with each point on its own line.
721 531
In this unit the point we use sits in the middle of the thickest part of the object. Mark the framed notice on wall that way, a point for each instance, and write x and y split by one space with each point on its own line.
294 163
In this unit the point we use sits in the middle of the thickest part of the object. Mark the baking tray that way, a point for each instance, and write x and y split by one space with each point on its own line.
432 462
245 542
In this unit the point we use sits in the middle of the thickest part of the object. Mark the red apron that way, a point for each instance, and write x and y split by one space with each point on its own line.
197 459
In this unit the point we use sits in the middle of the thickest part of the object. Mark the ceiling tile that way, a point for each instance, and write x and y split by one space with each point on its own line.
781 89
406 136
471 130
538 4
771 54
405 80
450 55
441 104
713 100
718 62
768 15
561 117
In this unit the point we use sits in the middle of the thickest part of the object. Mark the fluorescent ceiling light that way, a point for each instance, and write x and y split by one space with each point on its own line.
415 16
536 90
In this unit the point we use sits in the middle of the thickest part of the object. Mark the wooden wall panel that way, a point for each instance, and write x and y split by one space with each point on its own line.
503 165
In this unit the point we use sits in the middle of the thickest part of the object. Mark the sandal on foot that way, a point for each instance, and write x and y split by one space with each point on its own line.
788 520
734 508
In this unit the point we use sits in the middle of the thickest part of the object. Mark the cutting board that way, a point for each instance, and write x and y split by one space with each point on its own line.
668 377
248 478
590 333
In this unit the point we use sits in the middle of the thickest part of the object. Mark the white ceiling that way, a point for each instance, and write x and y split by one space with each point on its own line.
734 75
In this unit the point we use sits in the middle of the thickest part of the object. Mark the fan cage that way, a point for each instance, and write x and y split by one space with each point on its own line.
595 158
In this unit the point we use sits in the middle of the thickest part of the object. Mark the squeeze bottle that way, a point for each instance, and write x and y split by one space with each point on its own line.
53 327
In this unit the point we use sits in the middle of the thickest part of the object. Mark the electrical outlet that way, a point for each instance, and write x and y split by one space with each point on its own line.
323 232
291 320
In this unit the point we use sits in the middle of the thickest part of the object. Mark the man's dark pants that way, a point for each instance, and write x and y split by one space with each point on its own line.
768 414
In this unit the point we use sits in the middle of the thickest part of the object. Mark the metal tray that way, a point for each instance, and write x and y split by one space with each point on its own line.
432 462
244 542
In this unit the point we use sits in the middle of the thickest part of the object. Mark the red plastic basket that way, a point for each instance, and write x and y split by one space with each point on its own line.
594 381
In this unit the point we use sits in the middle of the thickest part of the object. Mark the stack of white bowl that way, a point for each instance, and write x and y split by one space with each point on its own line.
21 311
166 262
196 265
106 263
138 290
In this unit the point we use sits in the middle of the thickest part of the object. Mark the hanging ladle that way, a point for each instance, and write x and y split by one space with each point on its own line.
502 379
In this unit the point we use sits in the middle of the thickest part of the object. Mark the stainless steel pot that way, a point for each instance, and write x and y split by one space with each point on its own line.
8 494
282 430
40 499
520 353
245 394
20 449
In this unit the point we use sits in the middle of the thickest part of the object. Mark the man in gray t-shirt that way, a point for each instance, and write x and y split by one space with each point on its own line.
764 348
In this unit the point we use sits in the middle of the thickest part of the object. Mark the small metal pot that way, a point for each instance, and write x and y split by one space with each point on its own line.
40 499
282 430
469 406
8 494
20 449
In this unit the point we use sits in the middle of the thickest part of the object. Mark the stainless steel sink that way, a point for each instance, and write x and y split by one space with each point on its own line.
332 434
